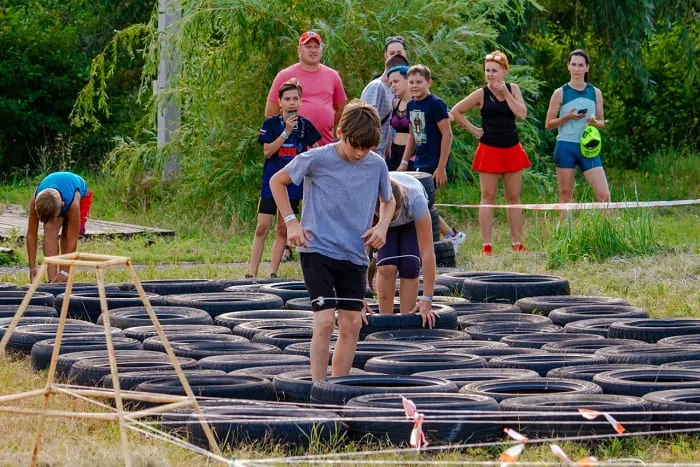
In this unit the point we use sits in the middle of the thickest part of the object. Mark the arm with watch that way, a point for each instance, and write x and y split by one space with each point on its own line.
270 149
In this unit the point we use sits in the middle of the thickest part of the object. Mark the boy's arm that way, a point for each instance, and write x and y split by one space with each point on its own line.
296 236
408 150
376 236
32 239
440 174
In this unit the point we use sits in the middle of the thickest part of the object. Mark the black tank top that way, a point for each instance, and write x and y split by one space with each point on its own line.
498 122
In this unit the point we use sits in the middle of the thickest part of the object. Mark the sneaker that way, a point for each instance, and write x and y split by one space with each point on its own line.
487 250
519 247
248 276
457 239
273 275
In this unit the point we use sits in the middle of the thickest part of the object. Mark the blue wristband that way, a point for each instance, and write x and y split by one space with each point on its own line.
427 298
289 218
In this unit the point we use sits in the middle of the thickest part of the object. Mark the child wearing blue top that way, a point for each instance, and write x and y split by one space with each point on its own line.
62 203
283 137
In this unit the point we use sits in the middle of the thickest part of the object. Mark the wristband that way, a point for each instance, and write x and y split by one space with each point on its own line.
63 273
403 162
289 218
427 298
284 134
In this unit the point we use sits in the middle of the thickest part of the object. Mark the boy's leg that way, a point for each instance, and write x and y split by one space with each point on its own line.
409 267
349 324
350 281
387 266
324 323
261 230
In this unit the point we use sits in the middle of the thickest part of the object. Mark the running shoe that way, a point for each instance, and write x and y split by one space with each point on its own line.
519 247
487 250
457 239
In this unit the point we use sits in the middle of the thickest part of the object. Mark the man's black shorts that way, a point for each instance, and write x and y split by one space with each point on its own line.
268 206
330 278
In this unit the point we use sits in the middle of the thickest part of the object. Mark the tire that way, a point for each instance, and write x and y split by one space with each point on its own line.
539 340
286 290
418 335
302 303
89 372
156 345
43 350
65 361
7 286
675 409
511 288
144 332
496 331
338 391
435 223
251 328
25 337
649 354
598 326
29 320
454 280
234 318
408 363
229 363
652 330
446 319
587 372
445 254
199 350
15 297
9 311
557 415
502 389
464 346
255 281
585 345
544 304
688 340
543 363
450 425
176 286
129 381
132 317
224 386
224 302
563 316
466 309
426 180
690 365
449 300
639 382
86 305
492 352
295 386
488 318
304 348
270 372
369 349
281 338
58 288
464 376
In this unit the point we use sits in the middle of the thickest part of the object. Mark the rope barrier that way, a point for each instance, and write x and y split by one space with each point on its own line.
578 206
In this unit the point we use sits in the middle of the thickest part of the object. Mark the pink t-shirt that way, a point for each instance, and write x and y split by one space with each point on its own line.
321 90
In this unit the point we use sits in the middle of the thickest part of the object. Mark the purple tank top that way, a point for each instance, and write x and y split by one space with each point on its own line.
399 120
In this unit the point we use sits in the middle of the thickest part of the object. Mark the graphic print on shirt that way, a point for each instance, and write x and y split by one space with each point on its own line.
417 118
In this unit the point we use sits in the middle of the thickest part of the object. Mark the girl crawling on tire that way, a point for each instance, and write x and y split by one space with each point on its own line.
409 244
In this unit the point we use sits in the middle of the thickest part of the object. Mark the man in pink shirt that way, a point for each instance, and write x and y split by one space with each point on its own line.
324 96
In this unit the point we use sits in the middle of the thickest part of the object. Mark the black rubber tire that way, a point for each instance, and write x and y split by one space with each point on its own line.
338 391
649 354
675 409
43 350
557 415
304 348
446 319
449 300
466 309
639 382
369 349
270 372
426 180
450 425
57 288
89 372
295 386
65 361
132 317
235 362
464 346
445 253
9 311
598 326
86 305
418 335
454 280
545 304
689 340
408 363
144 332
224 386
501 389
25 337
563 316
543 363
538 340
203 349
287 426
176 286
224 302
250 328
511 288
488 318
256 281
156 345
286 290
281 338
691 365
587 372
464 376
302 303
234 318
496 331
589 345
652 330
15 297
7 286
435 223
492 352
129 381
25 321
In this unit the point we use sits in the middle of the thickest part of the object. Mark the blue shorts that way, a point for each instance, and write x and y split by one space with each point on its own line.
401 240
567 155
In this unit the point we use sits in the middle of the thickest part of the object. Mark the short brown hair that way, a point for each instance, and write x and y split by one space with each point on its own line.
48 204
422 70
289 85
360 125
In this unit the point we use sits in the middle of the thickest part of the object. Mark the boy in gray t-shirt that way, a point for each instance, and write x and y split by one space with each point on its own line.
342 182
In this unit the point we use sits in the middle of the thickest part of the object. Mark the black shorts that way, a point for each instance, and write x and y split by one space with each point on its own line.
268 206
330 278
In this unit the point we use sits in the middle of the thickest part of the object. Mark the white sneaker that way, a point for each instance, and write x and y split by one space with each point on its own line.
457 239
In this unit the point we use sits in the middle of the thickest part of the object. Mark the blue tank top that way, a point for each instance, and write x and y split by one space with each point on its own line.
67 183
572 130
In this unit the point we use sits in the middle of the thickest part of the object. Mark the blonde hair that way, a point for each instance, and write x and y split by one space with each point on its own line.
398 191
360 125
48 204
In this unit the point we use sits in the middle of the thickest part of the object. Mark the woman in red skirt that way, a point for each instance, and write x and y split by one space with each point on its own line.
499 154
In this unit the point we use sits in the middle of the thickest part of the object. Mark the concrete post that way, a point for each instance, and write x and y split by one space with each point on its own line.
169 12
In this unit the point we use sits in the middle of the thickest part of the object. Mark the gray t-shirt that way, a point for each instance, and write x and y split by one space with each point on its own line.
378 94
339 200
415 203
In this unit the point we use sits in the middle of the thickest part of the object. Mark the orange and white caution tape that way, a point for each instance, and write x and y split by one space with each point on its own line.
585 462
593 414
579 206
409 407
515 435
417 438
511 454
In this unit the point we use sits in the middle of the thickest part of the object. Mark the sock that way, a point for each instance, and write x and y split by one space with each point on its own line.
453 232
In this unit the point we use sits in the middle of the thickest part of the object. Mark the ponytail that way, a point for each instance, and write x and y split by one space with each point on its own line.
371 271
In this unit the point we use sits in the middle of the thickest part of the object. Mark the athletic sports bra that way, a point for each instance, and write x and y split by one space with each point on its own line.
399 120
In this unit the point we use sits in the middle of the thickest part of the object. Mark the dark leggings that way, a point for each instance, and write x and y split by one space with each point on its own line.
401 240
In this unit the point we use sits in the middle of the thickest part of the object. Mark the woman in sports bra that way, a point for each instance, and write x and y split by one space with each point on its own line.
399 117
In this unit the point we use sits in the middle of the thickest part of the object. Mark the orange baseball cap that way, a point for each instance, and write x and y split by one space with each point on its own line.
310 36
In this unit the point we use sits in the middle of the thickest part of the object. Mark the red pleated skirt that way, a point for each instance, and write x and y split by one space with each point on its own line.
490 159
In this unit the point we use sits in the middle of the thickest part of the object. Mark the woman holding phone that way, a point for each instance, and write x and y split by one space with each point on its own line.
572 107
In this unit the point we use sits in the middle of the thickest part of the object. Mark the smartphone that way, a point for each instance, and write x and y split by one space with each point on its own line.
581 111
292 113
